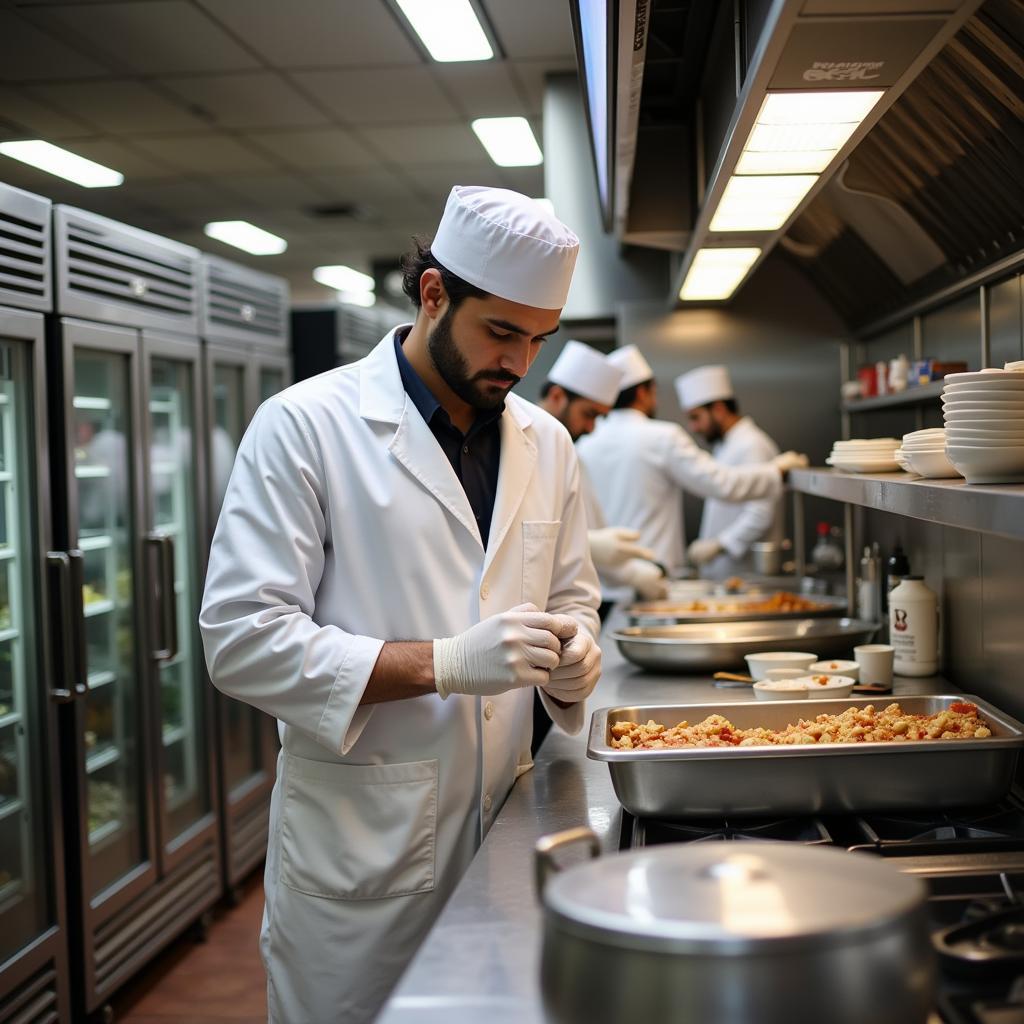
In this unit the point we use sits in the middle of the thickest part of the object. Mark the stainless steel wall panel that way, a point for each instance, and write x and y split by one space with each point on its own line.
1006 321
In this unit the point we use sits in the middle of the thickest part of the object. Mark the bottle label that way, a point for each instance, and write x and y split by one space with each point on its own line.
913 633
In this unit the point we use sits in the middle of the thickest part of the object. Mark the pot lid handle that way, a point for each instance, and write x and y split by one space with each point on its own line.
545 863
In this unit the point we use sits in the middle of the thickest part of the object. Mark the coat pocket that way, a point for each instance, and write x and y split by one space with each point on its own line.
539 542
358 832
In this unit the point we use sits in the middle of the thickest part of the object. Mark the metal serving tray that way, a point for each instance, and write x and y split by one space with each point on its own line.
833 778
660 613
695 647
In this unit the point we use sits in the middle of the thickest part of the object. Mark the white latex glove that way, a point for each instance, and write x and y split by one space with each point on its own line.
578 671
517 648
645 578
789 460
701 551
613 545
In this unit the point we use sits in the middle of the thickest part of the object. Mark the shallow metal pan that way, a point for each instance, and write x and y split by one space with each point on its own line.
696 647
833 778
669 613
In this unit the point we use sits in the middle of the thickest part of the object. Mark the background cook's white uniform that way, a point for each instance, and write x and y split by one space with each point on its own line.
344 525
737 526
638 468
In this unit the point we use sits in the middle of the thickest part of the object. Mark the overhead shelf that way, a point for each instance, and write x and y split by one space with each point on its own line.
996 509
912 396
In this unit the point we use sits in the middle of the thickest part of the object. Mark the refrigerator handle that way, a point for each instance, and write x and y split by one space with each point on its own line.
80 671
59 566
162 547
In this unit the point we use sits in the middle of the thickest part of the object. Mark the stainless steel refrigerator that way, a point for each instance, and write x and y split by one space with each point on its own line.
129 485
37 673
244 326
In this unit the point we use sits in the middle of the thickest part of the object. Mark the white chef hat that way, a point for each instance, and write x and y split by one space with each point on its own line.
635 369
583 370
704 385
507 244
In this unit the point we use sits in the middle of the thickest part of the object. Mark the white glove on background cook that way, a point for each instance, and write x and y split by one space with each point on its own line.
789 460
613 545
646 578
578 670
520 647
701 551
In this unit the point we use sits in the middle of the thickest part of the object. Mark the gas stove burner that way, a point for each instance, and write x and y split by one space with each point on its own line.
990 944
654 831
988 828
984 1007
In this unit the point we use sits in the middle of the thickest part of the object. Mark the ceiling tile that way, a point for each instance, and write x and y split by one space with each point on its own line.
375 188
426 143
482 88
528 180
532 28
434 181
328 147
178 196
22 116
531 75
281 194
152 38
317 33
119 107
205 154
28 53
257 100
379 96
126 159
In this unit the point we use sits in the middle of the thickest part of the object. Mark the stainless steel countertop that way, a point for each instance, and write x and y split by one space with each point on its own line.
481 959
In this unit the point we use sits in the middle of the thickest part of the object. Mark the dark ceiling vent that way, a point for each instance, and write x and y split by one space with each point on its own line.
341 211
241 304
25 264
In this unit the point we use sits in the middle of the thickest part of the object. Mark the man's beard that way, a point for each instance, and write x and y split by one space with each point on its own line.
454 370
713 434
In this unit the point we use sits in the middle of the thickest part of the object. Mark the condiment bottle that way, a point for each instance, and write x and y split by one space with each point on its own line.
914 628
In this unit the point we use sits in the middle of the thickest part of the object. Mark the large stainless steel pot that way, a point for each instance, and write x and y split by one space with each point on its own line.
731 933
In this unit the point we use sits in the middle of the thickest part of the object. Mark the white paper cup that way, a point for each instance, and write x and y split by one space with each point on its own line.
875 662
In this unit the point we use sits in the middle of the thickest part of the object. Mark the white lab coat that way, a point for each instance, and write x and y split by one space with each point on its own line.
639 467
737 526
344 526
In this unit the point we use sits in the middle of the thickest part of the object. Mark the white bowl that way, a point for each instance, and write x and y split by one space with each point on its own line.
991 373
869 440
853 465
924 435
983 417
937 444
760 662
835 667
837 686
972 434
975 394
779 689
932 465
968 441
784 673
988 465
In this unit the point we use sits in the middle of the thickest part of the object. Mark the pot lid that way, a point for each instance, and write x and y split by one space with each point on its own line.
731 897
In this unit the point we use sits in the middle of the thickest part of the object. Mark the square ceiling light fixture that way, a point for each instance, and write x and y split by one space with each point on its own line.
353 286
449 29
509 141
62 163
245 236
715 273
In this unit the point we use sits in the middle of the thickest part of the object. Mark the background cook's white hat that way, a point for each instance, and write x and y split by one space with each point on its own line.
635 369
587 372
703 385
507 244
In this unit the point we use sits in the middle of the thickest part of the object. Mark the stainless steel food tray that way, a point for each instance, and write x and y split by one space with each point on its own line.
659 613
701 782
695 647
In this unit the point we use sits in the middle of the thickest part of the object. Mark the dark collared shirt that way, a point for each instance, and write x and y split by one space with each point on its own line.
474 455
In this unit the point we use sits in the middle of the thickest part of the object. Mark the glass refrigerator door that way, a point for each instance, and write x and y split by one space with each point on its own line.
242 743
174 491
114 762
271 381
25 902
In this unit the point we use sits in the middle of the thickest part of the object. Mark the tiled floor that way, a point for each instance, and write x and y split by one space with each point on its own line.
213 982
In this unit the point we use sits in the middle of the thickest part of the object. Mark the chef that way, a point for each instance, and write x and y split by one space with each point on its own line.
582 386
727 529
401 560
639 466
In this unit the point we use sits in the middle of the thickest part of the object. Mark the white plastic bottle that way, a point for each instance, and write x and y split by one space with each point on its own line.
914 628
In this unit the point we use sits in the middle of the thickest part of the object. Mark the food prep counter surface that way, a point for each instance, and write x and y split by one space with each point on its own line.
481 959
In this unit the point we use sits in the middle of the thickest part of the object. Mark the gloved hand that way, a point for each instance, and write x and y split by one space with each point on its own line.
701 551
613 545
578 671
789 460
646 578
517 648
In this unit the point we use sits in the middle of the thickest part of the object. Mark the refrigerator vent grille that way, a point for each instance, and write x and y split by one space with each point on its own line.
35 1001
24 250
358 332
240 304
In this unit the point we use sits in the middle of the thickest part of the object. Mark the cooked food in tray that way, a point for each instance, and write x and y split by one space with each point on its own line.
960 721
780 601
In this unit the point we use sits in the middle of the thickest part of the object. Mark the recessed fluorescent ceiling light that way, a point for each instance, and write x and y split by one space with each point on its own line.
509 141
547 204
715 273
344 279
243 235
60 162
449 29
352 298
760 202
800 132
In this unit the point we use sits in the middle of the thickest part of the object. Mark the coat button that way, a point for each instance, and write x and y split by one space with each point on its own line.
485 592
489 710
487 802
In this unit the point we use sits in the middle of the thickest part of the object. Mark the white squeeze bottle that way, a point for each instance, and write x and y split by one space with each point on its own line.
914 628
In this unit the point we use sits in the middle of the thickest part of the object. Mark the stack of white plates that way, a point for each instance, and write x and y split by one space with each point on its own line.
876 455
924 453
984 417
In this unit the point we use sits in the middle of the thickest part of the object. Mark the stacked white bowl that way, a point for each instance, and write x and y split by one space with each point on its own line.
870 455
984 417
924 454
